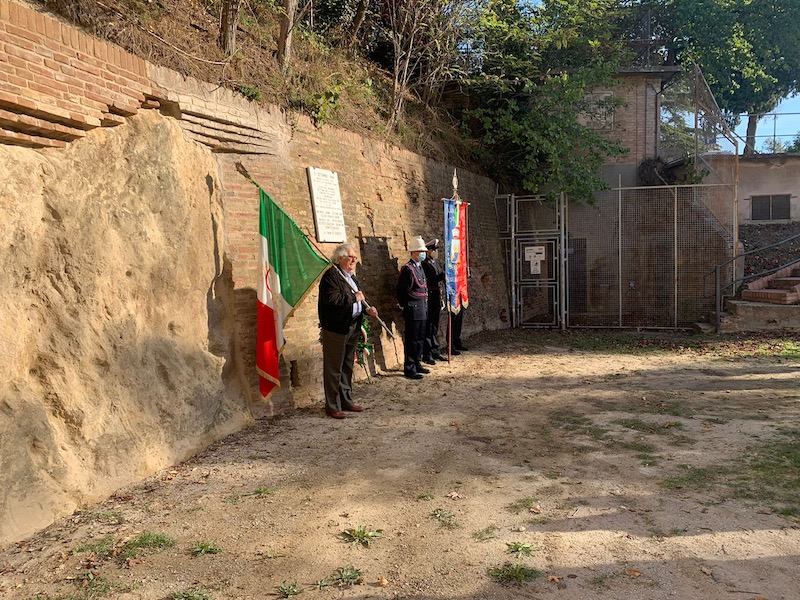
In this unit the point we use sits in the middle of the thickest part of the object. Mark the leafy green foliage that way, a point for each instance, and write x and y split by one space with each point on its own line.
261 491
364 347
486 534
287 590
346 577
197 593
361 535
534 76
513 573
445 518
324 104
201 548
250 92
102 549
519 549
523 504
322 584
147 541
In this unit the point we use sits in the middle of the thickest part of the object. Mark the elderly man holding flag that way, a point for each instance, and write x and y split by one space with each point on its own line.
341 308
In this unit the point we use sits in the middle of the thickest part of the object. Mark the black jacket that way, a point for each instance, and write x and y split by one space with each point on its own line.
335 305
435 276
412 292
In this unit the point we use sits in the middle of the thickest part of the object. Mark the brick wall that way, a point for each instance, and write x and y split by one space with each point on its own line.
388 196
636 122
57 83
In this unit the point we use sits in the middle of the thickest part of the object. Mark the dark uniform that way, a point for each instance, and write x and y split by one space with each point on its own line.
434 276
412 295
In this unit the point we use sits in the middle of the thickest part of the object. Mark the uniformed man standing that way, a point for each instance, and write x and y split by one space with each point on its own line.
412 296
434 276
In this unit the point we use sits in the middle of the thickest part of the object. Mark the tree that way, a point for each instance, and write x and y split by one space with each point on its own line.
424 37
340 21
534 67
284 54
748 49
227 30
794 147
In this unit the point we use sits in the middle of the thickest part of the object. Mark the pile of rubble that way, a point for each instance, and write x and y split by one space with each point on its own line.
762 236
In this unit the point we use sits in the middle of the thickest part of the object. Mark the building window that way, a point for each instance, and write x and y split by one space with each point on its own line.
598 113
770 208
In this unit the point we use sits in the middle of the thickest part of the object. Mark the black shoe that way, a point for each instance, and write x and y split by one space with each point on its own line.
437 356
413 376
462 348
455 352
429 361
423 370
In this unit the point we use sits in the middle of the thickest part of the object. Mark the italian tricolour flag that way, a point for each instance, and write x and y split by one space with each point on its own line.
289 267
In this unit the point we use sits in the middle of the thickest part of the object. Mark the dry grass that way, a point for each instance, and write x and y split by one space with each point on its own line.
334 86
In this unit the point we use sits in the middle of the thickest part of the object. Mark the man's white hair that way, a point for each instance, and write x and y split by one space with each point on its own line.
342 250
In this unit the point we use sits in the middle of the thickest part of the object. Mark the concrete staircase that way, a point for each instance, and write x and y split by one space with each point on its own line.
782 287
770 303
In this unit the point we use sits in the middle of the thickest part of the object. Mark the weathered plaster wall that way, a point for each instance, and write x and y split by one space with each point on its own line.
131 260
117 357
764 175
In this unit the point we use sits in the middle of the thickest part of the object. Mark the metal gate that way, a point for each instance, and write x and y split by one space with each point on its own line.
637 258
532 232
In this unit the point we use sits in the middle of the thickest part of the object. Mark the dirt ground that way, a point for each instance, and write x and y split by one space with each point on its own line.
628 467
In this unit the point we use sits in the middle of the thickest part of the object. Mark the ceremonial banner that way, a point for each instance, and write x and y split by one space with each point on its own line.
455 254
289 267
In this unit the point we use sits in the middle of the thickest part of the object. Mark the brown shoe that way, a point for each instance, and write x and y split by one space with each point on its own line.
354 408
337 414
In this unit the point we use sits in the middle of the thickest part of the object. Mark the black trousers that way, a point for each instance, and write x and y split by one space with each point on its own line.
414 341
431 346
456 321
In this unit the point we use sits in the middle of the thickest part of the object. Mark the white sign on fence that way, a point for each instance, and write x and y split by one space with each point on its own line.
327 202
535 255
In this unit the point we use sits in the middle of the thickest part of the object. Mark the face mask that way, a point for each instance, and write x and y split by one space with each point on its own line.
422 256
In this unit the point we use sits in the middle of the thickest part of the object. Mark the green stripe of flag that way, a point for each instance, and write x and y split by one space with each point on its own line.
292 257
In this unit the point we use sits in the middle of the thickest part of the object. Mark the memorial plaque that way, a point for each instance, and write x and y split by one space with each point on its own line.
327 203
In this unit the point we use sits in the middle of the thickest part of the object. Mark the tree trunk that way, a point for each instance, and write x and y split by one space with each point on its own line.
227 29
285 39
358 20
750 140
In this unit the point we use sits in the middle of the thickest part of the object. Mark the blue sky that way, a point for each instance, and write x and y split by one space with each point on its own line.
782 125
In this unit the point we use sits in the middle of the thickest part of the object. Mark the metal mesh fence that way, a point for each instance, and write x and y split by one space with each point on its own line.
637 258
641 257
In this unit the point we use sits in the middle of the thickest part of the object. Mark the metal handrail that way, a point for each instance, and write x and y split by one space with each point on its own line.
719 288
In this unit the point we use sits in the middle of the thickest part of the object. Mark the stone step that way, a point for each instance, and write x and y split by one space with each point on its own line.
771 296
759 316
784 282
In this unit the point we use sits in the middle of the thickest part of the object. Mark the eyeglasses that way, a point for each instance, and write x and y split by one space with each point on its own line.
351 257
